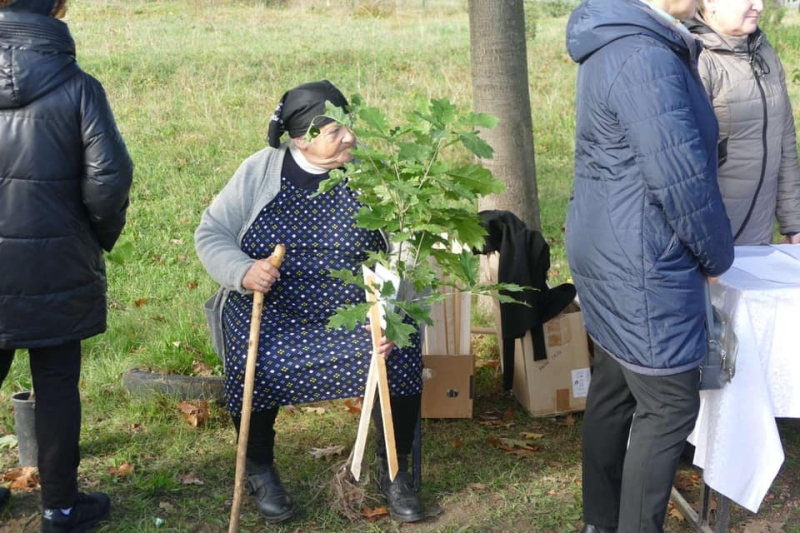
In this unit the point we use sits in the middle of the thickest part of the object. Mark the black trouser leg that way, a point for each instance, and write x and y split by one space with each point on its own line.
666 411
261 441
56 372
606 423
405 411
6 358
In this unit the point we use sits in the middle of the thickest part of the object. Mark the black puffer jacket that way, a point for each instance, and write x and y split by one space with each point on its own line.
65 174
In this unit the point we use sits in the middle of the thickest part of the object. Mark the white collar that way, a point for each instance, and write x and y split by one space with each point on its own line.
303 163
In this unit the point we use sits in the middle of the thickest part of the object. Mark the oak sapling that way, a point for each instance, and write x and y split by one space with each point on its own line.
419 183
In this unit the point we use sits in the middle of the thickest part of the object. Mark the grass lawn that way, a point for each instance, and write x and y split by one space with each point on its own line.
193 84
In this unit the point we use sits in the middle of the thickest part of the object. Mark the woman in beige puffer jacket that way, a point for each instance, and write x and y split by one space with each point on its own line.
758 167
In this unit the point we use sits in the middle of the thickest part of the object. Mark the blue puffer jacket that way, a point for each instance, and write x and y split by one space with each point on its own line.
65 174
646 223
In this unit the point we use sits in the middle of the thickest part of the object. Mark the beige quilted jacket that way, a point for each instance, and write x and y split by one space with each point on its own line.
758 144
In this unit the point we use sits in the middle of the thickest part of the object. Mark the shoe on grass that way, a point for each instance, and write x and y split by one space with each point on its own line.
87 512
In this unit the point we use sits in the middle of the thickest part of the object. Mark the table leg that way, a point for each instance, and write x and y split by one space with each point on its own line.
723 513
689 513
700 521
705 502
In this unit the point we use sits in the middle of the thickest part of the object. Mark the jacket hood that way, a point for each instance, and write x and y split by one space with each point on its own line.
714 41
597 23
37 55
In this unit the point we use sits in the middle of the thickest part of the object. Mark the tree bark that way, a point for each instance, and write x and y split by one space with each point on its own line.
500 87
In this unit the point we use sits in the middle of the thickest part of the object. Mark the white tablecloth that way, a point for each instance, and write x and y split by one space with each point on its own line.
736 437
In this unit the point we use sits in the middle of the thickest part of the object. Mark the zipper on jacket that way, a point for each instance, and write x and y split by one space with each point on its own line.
758 72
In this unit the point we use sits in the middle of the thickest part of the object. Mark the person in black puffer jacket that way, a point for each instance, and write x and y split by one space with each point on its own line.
65 174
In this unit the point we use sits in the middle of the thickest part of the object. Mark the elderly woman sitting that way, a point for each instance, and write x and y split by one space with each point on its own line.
269 201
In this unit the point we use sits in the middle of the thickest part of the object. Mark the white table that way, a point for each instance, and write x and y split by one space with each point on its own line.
736 438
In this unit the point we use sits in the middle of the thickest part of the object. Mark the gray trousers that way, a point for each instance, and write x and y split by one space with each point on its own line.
634 430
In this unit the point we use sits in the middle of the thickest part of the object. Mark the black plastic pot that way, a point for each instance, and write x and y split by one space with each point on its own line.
25 426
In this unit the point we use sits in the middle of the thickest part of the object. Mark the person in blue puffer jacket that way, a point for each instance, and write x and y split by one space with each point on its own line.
646 227
65 175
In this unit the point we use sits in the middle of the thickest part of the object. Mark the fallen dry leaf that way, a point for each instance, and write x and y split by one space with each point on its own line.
166 506
516 443
374 513
532 436
140 302
685 483
523 452
122 471
497 424
353 407
490 415
497 443
192 285
290 410
190 478
568 420
520 448
478 486
196 414
319 453
315 410
458 443
24 479
201 368
677 514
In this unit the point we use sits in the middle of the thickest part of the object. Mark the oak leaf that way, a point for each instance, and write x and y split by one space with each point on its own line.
190 478
195 414
24 479
374 513
122 471
353 407
201 368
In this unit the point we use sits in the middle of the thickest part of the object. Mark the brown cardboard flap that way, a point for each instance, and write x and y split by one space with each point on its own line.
448 386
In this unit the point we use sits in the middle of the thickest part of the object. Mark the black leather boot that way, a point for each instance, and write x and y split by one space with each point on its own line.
274 503
404 504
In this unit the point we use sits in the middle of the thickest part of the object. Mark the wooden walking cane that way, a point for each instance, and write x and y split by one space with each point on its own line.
247 398
376 379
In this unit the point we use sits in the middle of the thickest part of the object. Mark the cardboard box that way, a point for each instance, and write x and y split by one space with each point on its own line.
448 379
558 384
448 386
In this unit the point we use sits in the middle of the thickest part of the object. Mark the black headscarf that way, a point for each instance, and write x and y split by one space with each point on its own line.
301 107
40 7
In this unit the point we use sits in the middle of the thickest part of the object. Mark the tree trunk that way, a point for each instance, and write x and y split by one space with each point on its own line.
500 88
